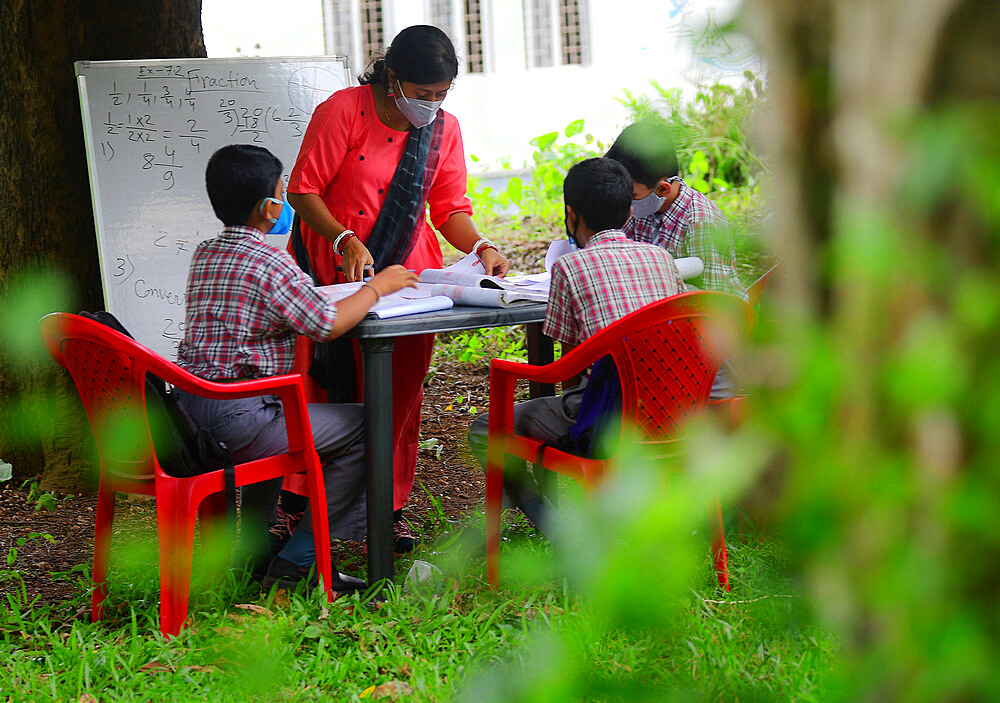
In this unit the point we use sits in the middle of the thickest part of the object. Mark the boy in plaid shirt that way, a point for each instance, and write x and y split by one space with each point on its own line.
669 213
605 279
246 302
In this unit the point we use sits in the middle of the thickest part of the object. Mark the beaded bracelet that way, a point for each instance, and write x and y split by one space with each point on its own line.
342 238
378 296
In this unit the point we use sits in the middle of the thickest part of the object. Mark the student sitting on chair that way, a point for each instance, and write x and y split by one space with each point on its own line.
669 213
605 279
246 302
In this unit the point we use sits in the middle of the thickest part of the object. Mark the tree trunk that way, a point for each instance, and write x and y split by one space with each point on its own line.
48 254
881 136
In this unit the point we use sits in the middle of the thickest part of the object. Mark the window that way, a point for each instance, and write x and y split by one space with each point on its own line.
473 37
440 13
342 25
372 39
571 40
540 45
555 32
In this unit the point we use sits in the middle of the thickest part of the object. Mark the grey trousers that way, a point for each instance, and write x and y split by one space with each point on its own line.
546 419
252 428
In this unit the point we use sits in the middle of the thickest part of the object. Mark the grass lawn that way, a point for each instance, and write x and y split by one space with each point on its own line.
543 636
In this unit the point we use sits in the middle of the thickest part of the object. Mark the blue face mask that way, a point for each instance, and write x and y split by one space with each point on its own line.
571 236
283 224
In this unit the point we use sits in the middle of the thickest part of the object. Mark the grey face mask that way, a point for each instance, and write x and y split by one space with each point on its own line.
419 113
644 207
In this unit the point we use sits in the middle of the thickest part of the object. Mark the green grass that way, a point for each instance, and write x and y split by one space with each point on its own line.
604 623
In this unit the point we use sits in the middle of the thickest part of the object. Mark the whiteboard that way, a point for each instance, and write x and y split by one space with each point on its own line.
149 129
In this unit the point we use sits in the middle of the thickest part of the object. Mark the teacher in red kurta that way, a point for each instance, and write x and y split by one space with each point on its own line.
373 159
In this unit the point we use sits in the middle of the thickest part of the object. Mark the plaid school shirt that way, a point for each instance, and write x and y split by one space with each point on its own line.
603 282
246 301
688 228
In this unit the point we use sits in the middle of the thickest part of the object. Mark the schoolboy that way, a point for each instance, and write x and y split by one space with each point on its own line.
606 278
246 301
669 213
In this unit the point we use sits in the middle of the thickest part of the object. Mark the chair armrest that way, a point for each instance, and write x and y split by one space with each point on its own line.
288 387
566 367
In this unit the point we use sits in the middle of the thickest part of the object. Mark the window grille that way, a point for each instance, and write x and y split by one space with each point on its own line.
473 37
371 29
440 12
540 46
571 34
342 26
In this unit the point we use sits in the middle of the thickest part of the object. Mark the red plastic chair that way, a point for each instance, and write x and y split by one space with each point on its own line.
667 366
109 371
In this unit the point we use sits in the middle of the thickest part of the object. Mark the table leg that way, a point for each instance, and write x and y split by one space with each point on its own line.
378 424
541 351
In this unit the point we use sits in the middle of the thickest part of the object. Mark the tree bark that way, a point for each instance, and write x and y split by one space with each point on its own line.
43 175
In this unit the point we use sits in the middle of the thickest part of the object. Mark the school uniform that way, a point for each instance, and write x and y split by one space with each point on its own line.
688 228
591 288
246 302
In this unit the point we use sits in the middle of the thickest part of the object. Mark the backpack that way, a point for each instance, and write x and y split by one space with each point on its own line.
183 447
600 408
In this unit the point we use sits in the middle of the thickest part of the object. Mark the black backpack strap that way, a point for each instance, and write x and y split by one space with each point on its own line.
229 478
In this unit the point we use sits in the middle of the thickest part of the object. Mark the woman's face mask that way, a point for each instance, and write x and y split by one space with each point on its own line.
283 223
419 113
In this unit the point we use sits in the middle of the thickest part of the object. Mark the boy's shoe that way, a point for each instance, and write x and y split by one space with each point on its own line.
288 576
404 539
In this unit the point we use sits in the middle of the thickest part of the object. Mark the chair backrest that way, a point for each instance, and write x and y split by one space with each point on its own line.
109 371
667 355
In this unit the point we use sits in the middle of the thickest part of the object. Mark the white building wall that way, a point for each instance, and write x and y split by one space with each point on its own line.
631 42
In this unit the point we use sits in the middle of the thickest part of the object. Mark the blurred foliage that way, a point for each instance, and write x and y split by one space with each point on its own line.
712 132
715 152
886 406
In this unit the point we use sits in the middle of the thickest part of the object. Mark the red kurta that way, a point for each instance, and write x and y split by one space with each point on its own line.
348 158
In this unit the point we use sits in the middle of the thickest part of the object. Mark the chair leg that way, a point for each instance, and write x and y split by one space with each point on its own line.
321 528
719 556
102 546
213 525
494 505
175 518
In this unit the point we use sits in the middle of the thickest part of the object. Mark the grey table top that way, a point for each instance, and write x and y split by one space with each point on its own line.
460 317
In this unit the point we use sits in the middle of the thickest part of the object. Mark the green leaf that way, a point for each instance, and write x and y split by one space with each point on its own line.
6 471
544 141
574 128
515 188
11 556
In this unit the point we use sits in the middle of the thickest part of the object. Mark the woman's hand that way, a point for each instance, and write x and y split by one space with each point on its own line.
393 278
494 262
356 258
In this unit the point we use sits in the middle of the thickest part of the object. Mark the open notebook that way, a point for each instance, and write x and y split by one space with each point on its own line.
405 302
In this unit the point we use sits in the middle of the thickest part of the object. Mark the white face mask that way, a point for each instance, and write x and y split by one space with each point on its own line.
419 113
